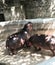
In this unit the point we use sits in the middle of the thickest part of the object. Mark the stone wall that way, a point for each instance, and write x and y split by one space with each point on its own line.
14 13
41 26
12 10
27 9
38 9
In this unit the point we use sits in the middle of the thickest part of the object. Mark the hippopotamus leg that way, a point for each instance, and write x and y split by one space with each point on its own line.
12 51
9 51
37 48
52 49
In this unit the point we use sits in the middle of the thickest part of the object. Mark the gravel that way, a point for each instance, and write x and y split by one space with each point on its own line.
24 56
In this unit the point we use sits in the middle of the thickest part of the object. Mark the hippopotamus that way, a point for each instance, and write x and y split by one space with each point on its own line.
17 40
42 41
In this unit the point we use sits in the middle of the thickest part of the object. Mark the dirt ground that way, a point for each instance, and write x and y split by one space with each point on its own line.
24 56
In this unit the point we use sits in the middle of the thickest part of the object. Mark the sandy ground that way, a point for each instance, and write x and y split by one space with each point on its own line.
24 56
